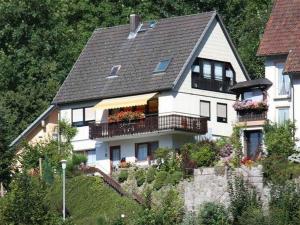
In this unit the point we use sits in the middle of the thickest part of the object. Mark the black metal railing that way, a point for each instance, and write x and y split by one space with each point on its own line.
149 124
211 84
252 116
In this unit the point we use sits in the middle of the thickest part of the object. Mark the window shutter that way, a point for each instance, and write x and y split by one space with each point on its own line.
77 115
221 110
89 114
204 108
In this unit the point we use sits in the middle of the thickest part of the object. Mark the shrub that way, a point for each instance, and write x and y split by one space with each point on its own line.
77 159
140 177
174 178
203 156
279 139
150 175
123 176
241 197
253 215
285 204
213 214
160 180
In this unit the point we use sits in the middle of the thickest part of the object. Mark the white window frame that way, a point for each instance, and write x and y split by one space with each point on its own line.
277 113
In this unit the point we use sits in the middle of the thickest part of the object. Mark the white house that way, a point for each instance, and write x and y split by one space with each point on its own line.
280 46
145 85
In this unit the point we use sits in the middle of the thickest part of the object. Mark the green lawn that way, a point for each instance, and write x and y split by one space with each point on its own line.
89 198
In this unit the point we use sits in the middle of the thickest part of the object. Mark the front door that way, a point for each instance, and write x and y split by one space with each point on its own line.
253 143
115 156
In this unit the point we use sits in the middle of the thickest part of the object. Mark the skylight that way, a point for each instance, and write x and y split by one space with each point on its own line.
114 70
162 66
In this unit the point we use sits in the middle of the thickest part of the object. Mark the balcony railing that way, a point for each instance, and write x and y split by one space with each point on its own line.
252 116
210 84
149 124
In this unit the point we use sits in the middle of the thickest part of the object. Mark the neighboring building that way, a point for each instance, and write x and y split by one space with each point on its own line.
280 46
141 86
42 129
252 106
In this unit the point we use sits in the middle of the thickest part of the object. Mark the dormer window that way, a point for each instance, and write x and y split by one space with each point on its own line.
114 70
162 66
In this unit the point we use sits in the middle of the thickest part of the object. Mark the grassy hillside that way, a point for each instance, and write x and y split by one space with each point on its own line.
89 198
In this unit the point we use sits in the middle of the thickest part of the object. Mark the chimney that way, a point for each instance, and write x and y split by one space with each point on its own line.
135 21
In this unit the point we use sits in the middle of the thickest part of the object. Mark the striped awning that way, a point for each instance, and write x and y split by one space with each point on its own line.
114 103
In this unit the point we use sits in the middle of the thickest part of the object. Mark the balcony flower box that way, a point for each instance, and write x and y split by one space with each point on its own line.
126 116
246 105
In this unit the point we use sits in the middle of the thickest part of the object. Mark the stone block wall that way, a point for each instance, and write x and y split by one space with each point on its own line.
211 185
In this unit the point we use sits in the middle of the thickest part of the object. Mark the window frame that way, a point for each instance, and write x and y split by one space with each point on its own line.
118 67
277 113
222 119
150 156
157 70
278 66
83 122
196 76
209 109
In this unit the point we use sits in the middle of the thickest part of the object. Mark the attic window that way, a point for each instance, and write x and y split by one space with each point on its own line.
114 70
162 66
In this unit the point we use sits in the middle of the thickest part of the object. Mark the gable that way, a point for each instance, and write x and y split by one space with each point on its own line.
215 45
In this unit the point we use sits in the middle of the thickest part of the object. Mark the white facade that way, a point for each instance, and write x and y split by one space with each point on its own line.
182 100
282 105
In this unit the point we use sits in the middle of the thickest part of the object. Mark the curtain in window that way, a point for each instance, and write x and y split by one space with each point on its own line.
283 115
204 109
207 70
142 152
218 71
283 81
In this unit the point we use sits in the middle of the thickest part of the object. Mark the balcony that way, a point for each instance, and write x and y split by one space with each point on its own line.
252 116
149 124
210 84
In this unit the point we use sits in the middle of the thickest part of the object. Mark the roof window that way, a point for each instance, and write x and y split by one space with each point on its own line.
114 70
162 66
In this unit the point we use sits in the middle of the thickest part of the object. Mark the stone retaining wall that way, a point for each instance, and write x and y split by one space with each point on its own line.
211 185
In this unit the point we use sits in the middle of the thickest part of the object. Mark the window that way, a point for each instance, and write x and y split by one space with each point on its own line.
254 95
145 151
77 117
82 116
89 114
283 85
212 75
221 112
207 69
91 157
205 109
162 65
142 152
282 114
219 71
153 106
114 70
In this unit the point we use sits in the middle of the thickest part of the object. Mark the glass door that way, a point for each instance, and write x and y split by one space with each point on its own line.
253 143
115 156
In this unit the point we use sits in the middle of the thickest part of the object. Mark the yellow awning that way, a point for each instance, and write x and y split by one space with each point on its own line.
113 103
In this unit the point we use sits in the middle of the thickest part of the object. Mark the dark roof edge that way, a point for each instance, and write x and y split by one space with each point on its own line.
235 52
33 125
194 51
54 101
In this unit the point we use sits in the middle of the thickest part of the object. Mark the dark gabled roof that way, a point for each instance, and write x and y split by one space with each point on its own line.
33 125
282 30
173 38
263 83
